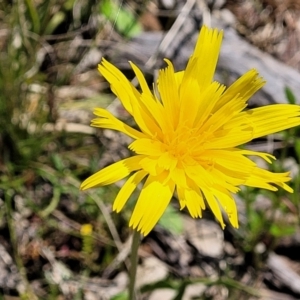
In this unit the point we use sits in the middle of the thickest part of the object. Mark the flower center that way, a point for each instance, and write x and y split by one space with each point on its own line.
182 143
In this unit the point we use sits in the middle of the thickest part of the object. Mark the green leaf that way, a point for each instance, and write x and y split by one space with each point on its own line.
290 95
122 18
172 220
36 25
58 162
55 21
69 4
121 296
279 230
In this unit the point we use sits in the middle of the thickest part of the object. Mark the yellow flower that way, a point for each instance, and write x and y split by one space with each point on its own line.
189 131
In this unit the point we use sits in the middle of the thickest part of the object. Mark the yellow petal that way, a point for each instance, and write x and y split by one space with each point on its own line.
273 118
196 107
231 160
167 161
194 202
228 204
120 85
169 93
148 147
113 173
228 138
144 119
223 115
178 77
266 156
149 164
199 175
181 197
179 177
156 110
107 120
190 102
206 55
244 87
214 205
265 179
151 204
228 179
129 96
141 79
149 103
206 102
127 189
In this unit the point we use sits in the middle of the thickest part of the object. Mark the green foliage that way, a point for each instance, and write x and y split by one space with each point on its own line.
121 296
122 18
290 96
172 220
21 111
32 158
277 230
26 99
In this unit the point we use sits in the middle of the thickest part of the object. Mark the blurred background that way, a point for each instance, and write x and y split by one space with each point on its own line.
57 242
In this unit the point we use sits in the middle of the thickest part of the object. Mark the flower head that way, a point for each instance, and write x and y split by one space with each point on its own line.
189 131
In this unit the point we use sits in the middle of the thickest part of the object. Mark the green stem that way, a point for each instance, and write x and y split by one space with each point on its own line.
134 262
53 204
35 20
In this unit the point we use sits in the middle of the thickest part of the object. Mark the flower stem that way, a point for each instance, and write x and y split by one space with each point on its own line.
134 262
